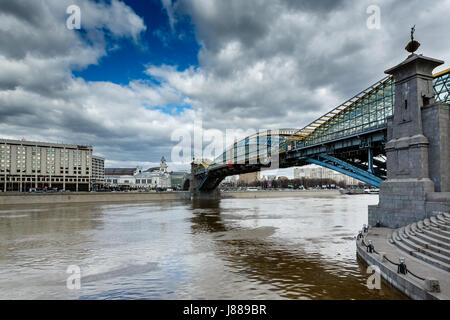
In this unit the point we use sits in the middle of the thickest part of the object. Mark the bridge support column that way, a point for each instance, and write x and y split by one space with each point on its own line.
370 160
417 148
195 182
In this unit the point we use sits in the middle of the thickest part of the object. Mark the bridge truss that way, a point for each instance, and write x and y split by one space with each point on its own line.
349 139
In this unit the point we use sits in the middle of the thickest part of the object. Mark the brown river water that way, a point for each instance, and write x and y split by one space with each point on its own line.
278 248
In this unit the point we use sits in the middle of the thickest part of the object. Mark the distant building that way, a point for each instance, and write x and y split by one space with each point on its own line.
251 177
152 178
177 179
116 177
323 173
98 172
26 165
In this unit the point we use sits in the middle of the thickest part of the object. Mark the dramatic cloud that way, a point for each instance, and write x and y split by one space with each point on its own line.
281 63
262 64
40 99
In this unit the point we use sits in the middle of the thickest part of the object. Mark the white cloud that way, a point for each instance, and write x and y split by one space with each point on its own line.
41 100
282 63
167 4
262 64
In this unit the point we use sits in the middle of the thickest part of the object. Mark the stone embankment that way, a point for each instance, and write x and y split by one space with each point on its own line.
424 247
83 197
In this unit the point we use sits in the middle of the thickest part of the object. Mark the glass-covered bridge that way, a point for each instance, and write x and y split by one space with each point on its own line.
366 112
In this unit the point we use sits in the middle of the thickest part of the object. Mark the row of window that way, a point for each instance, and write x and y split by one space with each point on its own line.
42 179
138 181
21 157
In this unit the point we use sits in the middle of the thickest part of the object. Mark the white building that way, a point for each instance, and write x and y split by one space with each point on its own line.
98 172
26 165
323 173
153 178
116 177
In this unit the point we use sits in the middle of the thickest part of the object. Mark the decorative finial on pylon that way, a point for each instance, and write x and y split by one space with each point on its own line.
413 45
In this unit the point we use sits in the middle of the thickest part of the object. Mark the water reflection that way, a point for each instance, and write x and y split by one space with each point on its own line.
227 249
289 270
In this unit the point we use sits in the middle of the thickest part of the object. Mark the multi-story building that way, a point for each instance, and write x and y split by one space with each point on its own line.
26 165
323 173
116 177
98 172
251 177
153 178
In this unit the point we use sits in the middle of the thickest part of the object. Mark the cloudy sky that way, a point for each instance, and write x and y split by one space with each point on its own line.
139 71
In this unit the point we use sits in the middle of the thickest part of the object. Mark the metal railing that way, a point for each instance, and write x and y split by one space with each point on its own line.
401 267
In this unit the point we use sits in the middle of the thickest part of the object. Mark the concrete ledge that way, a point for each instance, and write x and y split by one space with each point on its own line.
407 286
438 196
280 194
80 197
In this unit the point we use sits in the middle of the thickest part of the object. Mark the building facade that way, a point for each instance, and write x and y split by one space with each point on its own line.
136 178
26 165
117 177
323 173
248 178
98 172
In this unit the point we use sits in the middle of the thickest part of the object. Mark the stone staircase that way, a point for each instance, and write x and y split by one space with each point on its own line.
428 240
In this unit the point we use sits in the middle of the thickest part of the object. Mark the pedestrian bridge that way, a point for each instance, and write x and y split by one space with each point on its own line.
349 139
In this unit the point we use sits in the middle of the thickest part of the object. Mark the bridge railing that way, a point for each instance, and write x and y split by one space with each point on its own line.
366 111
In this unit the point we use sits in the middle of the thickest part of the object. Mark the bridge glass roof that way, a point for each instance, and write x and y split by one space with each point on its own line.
250 149
442 86
366 111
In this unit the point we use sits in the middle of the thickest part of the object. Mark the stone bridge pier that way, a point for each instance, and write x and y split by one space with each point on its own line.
194 183
417 149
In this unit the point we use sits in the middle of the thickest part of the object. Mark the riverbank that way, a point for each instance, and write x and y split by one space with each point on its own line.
280 194
83 197
408 284
113 197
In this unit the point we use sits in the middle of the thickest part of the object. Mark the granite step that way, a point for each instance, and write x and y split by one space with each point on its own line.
435 255
443 218
429 223
441 232
422 226
438 222
433 241
442 227
419 255
432 234
409 231
423 244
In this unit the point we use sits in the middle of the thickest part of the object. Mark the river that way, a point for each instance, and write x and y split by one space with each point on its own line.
278 248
